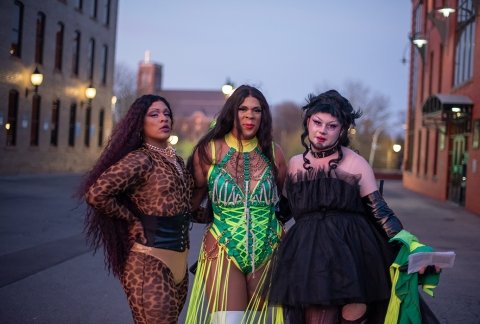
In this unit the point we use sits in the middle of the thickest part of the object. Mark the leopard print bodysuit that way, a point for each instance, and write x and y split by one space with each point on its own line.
155 187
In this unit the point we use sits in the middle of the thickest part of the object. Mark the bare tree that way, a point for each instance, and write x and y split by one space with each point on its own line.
287 127
124 88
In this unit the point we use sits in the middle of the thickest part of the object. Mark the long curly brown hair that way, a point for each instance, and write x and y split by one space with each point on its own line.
101 230
225 123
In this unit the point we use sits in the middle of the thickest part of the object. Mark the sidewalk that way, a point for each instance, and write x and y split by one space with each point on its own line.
47 275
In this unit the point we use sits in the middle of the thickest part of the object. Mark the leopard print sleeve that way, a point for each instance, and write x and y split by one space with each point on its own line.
120 178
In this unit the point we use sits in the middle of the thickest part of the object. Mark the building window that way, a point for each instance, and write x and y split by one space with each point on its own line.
91 58
78 4
427 155
419 151
93 8
40 38
88 119
435 156
464 50
441 140
35 124
476 134
101 125
71 124
104 64
76 53
17 30
106 12
54 123
409 159
59 46
11 125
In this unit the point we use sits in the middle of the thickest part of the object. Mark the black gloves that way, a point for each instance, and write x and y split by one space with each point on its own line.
376 206
282 210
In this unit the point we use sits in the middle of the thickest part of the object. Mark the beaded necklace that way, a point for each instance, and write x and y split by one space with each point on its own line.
245 149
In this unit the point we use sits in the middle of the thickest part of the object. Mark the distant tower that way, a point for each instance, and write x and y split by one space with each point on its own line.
149 78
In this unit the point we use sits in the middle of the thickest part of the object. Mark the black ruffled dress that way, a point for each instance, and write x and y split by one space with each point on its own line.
333 254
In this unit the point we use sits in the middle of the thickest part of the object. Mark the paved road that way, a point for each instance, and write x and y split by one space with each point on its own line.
47 274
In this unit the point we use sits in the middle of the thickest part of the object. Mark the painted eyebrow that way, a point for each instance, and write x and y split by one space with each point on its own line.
243 106
158 110
326 122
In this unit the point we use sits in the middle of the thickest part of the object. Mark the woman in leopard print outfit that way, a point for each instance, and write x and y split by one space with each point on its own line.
138 195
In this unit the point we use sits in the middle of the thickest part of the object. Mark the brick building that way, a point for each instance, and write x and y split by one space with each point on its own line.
55 127
442 152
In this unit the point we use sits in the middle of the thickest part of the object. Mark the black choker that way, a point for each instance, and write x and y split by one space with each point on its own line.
323 153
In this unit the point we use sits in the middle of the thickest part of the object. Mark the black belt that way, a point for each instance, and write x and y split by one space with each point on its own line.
167 232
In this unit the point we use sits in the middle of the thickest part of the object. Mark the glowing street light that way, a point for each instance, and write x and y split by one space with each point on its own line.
228 88
173 139
397 148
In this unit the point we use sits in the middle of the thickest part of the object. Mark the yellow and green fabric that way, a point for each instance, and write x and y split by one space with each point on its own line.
404 305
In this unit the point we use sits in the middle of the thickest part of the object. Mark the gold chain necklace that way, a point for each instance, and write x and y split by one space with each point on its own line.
168 151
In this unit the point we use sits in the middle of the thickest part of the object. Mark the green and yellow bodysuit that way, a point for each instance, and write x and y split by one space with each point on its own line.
243 194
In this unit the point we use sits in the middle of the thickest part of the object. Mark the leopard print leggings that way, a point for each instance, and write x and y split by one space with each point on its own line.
152 293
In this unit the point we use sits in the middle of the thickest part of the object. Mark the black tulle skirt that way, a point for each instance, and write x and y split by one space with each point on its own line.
330 258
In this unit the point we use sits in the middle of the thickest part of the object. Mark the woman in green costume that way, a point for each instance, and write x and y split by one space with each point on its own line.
242 171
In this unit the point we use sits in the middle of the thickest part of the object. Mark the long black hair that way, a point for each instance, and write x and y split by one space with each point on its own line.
333 103
225 122
101 230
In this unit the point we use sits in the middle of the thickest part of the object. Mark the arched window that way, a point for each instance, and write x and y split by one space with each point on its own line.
35 123
54 122
17 30
59 46
12 118
72 124
76 53
40 38
464 50
101 125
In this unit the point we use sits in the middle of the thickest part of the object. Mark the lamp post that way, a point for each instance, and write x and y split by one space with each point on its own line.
398 163
440 23
373 148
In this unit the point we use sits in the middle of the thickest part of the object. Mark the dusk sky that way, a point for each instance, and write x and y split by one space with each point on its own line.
287 48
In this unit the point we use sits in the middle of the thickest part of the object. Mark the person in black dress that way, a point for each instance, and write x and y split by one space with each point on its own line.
332 264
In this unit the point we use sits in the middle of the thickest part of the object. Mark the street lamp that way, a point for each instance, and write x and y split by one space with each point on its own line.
36 78
397 148
228 88
90 92
173 139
